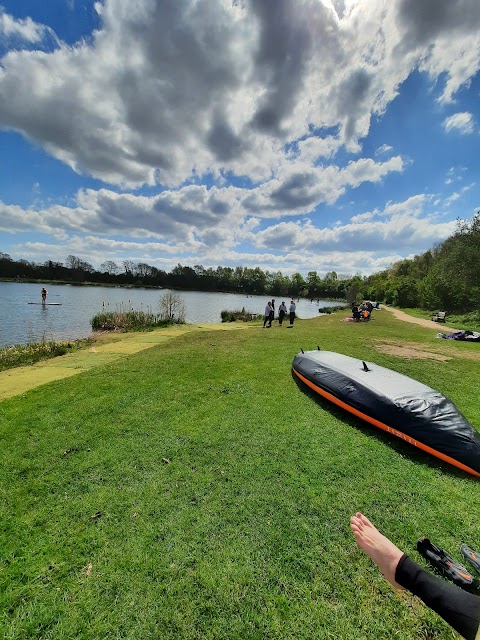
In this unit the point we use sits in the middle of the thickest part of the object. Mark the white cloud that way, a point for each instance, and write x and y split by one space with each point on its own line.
223 86
401 226
96 250
445 34
451 199
26 29
461 122
173 93
195 214
385 148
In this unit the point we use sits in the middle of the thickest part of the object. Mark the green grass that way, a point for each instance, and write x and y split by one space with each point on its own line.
195 491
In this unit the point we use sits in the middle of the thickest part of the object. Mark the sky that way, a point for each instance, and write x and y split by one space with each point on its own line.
292 135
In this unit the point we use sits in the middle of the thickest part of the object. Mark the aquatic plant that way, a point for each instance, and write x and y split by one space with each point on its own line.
337 307
17 355
232 316
125 318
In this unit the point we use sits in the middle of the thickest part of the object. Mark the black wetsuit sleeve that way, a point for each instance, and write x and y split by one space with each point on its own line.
457 607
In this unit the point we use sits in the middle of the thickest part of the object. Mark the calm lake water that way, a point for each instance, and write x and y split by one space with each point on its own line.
21 322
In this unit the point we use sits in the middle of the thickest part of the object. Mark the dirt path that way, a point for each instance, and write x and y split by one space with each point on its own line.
401 315
109 348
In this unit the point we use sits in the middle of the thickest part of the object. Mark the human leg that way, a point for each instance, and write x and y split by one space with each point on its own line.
379 548
457 607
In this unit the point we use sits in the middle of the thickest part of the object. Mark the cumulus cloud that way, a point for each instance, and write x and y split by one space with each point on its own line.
194 213
410 226
299 187
399 227
461 122
226 86
26 29
445 32
235 114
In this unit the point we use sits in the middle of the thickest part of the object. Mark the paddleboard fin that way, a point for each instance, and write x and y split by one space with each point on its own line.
318 348
365 368
446 565
302 350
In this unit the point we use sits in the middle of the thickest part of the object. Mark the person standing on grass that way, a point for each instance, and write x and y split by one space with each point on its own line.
44 295
282 312
267 315
272 311
292 313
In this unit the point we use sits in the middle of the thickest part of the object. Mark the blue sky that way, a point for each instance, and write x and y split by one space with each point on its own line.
322 135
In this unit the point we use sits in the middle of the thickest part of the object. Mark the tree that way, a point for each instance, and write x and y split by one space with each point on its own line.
129 267
254 280
353 289
280 284
77 264
313 284
171 308
298 285
404 292
110 267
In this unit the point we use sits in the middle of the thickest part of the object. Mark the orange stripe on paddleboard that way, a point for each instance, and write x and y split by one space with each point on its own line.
384 427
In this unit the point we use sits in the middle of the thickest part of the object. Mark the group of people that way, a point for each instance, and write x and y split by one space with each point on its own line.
269 315
362 311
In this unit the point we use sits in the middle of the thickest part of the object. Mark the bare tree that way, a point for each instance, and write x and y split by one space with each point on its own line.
129 266
171 308
110 267
75 263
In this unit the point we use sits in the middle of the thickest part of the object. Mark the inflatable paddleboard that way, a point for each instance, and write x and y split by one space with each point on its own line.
51 304
394 403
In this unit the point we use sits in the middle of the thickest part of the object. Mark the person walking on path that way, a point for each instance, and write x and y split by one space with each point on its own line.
457 607
44 295
282 312
267 315
292 313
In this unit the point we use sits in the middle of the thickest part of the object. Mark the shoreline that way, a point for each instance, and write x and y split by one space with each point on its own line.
110 347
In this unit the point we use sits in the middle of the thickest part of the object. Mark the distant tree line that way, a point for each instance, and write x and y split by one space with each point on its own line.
197 278
446 277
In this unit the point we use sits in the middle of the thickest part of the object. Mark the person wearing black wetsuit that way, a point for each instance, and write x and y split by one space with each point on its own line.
456 606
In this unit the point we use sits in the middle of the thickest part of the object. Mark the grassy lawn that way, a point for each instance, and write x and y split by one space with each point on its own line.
195 490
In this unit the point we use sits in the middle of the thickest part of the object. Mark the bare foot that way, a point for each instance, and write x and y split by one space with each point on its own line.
379 548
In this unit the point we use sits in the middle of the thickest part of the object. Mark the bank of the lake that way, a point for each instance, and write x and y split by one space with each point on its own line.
74 306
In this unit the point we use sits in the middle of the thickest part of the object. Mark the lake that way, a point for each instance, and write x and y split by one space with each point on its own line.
21 322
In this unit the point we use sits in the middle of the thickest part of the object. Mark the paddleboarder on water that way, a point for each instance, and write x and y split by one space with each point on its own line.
44 295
